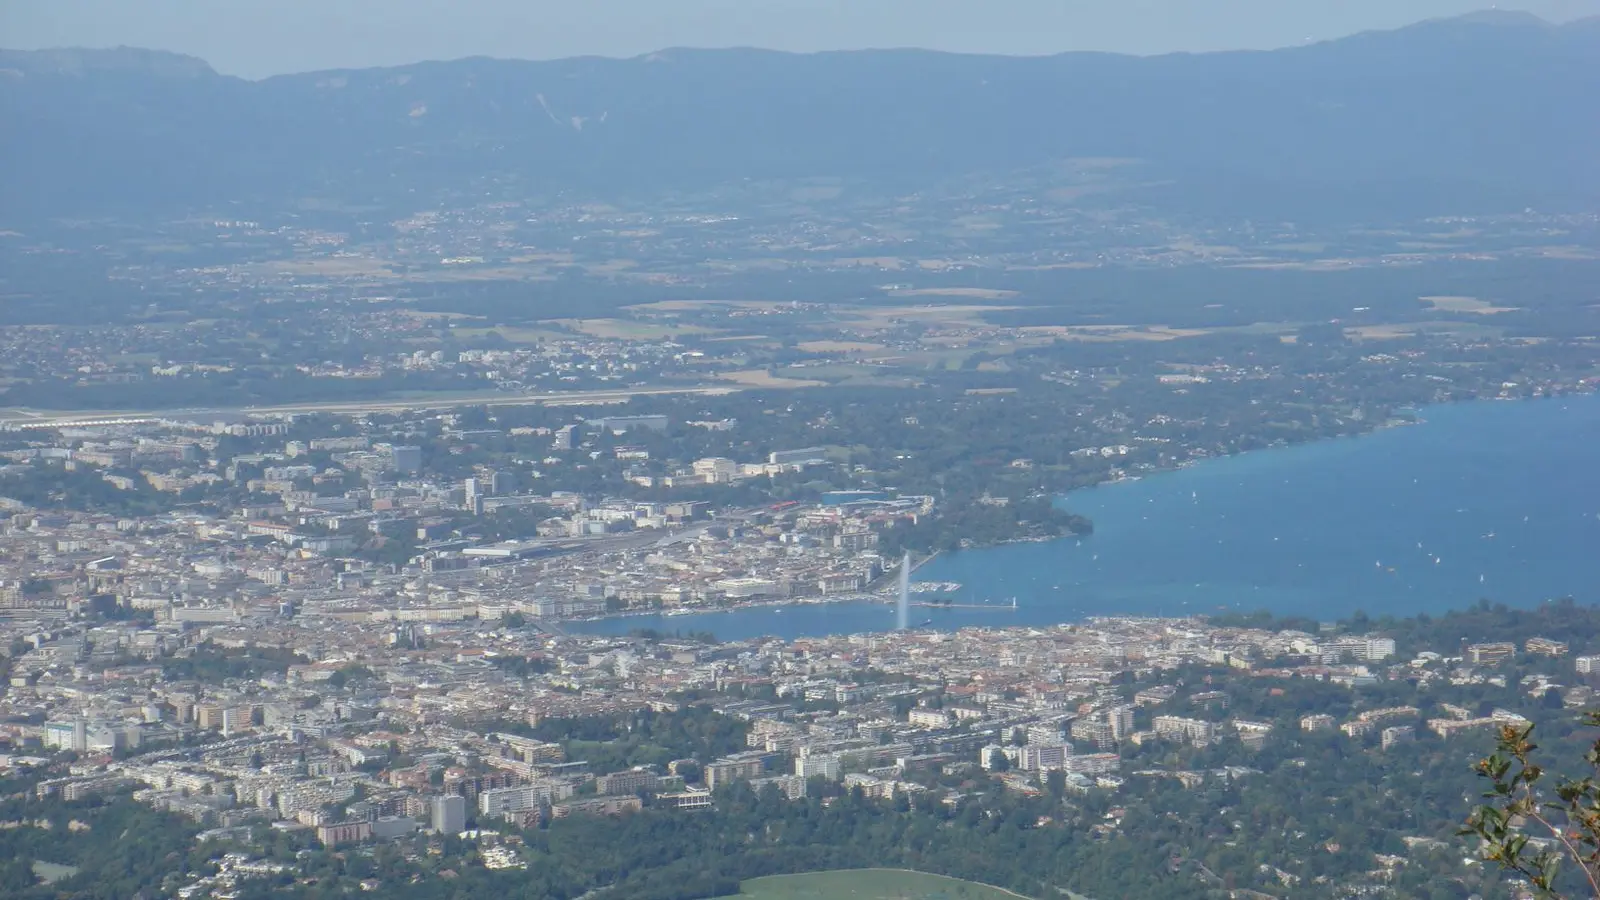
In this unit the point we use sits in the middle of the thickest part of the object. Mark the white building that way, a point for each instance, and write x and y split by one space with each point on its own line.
826 765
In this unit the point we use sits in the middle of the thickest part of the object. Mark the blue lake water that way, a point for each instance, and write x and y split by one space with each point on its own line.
1495 499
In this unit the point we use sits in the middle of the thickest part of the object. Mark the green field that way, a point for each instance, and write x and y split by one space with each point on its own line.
869 884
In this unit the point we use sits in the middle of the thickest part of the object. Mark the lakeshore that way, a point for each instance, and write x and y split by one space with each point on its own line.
882 592
1398 521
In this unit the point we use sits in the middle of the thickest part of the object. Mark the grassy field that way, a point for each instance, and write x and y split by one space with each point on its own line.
870 884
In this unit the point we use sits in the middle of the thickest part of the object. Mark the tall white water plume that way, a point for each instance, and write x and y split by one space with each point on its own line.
903 605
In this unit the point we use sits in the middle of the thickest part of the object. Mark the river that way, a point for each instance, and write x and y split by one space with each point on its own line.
1491 499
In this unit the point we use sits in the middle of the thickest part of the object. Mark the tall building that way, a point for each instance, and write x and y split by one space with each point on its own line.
72 735
1093 730
1044 757
449 814
1120 719
827 765
407 460
502 483
1045 733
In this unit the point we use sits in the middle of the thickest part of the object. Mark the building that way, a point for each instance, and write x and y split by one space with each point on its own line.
1316 722
1155 696
715 469
1044 757
406 460
497 802
806 456
531 750
73 735
1092 763
386 827
1491 654
623 424
632 781
1359 728
1096 731
1398 734
449 814
336 833
685 800
1192 731
233 722
1587 665
596 806
1371 649
1120 718
502 483
740 767
1044 733
1252 734
824 765
1545 647
1386 713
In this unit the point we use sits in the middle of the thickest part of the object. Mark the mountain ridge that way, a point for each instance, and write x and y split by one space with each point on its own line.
1496 18
1482 18
1448 115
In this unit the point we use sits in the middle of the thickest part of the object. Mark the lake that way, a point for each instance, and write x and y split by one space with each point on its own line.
1492 499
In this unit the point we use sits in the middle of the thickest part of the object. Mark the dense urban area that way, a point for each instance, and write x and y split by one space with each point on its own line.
315 651
313 507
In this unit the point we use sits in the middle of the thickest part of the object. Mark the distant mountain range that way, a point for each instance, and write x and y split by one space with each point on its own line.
1481 113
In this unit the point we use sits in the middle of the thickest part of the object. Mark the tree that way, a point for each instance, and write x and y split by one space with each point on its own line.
1516 803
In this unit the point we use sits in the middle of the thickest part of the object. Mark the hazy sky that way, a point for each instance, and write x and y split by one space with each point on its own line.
255 38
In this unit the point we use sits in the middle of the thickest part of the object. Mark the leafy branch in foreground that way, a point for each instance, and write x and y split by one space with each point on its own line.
1516 802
